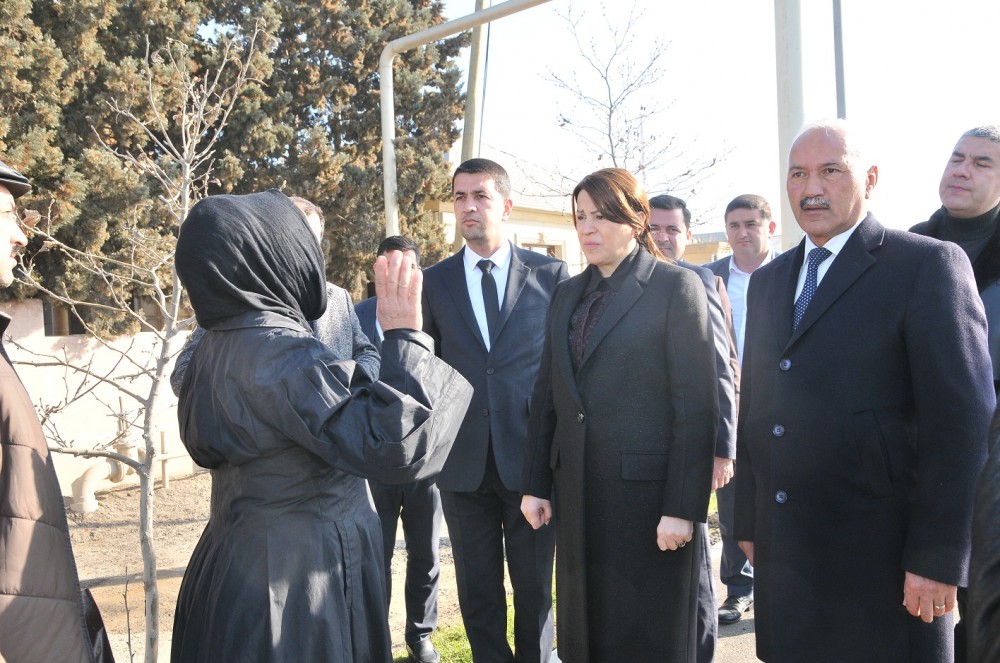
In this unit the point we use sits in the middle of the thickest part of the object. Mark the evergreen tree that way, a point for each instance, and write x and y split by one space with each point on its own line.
325 86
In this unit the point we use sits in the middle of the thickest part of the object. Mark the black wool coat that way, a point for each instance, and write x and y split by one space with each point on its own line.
627 439
860 437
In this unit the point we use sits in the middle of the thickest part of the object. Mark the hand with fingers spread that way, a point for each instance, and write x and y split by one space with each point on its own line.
673 533
398 284
926 598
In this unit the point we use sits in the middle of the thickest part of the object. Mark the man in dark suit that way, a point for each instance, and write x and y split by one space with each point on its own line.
749 228
865 403
485 308
970 217
670 227
417 504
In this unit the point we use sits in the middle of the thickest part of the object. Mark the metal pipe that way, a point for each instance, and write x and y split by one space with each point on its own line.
791 110
838 59
389 53
84 486
473 104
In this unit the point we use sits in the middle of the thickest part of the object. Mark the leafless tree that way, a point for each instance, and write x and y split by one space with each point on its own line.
617 104
182 134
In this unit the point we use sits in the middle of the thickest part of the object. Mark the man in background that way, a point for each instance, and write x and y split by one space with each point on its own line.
749 228
670 226
417 504
970 217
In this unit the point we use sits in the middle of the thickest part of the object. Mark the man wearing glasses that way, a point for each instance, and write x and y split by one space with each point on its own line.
41 608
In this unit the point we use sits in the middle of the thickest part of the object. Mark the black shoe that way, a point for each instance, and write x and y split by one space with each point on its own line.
422 651
732 609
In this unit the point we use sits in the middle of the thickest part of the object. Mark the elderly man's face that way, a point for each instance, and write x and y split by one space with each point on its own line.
826 191
970 185
12 238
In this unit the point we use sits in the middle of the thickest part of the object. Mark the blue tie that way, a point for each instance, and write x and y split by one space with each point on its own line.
816 256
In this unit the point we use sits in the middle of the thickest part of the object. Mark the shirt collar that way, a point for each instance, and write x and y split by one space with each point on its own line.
500 257
733 269
835 243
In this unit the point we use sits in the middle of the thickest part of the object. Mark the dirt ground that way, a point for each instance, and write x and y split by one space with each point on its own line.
109 560
106 545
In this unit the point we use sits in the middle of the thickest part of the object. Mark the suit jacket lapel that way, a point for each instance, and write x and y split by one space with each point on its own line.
561 359
517 277
852 261
631 290
455 282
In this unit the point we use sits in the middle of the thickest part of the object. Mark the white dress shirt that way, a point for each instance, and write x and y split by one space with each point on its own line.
474 281
736 288
835 244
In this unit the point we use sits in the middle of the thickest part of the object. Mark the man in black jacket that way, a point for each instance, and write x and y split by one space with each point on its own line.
970 217
417 504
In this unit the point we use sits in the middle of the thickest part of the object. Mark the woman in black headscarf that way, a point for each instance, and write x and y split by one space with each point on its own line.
289 565
622 436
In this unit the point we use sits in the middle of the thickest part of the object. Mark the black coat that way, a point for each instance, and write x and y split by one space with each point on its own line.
860 437
628 439
289 567
984 572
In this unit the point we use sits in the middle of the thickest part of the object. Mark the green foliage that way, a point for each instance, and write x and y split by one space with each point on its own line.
308 123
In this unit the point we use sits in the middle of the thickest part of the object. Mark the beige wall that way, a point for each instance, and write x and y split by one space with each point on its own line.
90 421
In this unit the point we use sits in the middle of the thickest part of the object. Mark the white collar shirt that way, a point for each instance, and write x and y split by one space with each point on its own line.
834 245
474 282
736 288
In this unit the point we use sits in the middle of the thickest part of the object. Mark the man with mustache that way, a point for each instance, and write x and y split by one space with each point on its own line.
970 217
485 308
866 398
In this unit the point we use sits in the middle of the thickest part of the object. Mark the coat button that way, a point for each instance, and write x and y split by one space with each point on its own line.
778 430
489 371
580 417
781 497
785 364
486 412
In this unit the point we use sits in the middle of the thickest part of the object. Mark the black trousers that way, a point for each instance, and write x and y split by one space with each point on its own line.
484 525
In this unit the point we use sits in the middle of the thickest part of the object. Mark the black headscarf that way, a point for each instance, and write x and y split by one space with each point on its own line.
237 254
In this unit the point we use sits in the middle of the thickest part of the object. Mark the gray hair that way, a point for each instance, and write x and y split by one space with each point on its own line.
855 148
987 131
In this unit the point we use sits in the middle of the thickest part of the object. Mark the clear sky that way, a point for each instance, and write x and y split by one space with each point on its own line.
917 76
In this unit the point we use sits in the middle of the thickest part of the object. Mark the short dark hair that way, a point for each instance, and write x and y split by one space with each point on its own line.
666 201
398 243
751 202
307 208
496 172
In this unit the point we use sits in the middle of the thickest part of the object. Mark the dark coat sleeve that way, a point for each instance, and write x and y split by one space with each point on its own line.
183 359
396 430
537 477
945 337
365 354
984 575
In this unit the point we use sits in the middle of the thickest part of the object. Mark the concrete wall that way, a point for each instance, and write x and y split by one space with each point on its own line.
91 420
